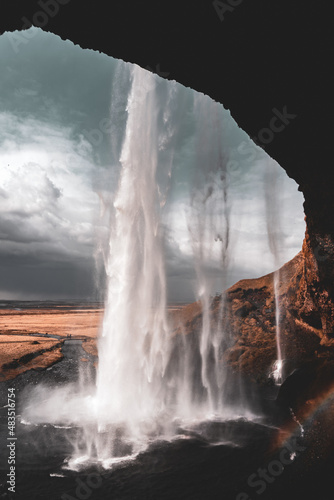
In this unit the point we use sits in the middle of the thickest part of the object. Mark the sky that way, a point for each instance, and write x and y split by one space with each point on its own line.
62 122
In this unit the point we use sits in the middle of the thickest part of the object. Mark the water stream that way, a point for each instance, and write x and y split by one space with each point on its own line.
141 392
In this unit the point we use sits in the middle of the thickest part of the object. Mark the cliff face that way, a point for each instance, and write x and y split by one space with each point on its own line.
315 297
251 320
306 294
306 315
305 318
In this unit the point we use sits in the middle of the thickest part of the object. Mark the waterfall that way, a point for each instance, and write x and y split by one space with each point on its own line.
132 349
278 365
209 232
274 231
135 348
149 380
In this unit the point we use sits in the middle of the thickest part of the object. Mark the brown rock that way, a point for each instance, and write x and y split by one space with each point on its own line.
306 317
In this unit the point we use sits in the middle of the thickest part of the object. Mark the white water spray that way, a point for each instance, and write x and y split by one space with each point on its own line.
147 380
209 231
278 365
133 346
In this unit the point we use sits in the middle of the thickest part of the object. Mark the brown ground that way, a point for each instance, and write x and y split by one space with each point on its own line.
20 351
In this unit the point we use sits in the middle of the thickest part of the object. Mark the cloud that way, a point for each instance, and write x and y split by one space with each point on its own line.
47 202
59 171
248 252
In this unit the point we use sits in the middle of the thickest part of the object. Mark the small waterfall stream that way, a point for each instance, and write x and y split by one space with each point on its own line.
274 231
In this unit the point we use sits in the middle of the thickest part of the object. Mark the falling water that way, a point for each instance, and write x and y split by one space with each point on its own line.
133 349
147 379
273 231
139 386
278 365
209 231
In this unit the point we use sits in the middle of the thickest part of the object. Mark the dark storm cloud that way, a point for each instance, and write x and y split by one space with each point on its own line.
59 82
59 167
16 230
181 274
25 279
46 223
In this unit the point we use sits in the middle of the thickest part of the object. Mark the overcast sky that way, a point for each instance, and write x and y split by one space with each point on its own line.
59 161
